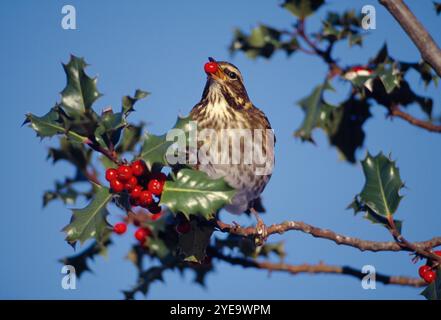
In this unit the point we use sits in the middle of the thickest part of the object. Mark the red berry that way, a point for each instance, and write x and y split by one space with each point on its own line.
423 270
124 173
131 183
141 234
155 187
138 168
145 198
437 252
116 185
429 276
120 228
210 67
183 227
136 192
111 174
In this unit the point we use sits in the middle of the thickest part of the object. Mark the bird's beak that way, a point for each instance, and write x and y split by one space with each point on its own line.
219 74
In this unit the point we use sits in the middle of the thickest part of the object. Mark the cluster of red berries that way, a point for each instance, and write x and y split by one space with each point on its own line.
141 185
427 272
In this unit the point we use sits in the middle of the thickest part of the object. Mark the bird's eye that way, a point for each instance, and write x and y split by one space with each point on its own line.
232 75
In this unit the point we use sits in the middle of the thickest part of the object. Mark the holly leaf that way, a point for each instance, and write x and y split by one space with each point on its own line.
193 244
74 153
302 8
128 102
156 148
383 184
80 91
80 261
313 106
344 125
380 196
195 193
109 128
130 137
51 124
370 215
433 290
90 222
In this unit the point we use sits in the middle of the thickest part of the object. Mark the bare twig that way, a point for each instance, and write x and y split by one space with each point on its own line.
429 50
363 245
397 112
315 269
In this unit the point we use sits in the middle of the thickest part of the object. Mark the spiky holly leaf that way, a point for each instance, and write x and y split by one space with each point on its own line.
155 148
382 186
109 128
74 153
338 26
130 138
51 124
344 126
80 261
193 244
90 222
424 69
389 76
433 290
195 193
80 91
370 215
128 102
313 106
302 8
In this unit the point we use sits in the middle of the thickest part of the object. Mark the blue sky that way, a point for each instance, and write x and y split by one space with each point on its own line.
161 46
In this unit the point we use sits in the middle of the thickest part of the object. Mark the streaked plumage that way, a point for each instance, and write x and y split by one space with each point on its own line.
225 105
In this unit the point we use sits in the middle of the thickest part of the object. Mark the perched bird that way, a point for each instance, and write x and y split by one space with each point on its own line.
225 105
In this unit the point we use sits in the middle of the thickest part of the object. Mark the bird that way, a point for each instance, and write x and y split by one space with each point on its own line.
225 105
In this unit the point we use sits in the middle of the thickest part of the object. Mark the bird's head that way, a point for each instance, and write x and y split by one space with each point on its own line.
224 80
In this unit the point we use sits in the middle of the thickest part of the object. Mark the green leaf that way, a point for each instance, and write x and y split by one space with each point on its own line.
390 77
194 193
433 290
52 123
81 91
90 222
130 137
383 184
109 128
193 244
128 102
313 106
80 261
370 215
155 148
302 8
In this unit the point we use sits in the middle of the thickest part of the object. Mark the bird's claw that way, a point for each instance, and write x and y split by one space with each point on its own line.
261 233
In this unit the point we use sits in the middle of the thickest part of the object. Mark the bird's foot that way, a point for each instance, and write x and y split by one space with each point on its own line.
261 230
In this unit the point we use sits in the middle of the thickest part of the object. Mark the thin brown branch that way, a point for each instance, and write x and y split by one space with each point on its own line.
397 112
399 238
429 50
363 245
319 268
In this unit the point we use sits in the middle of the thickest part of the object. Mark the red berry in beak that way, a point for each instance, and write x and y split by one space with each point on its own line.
210 67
